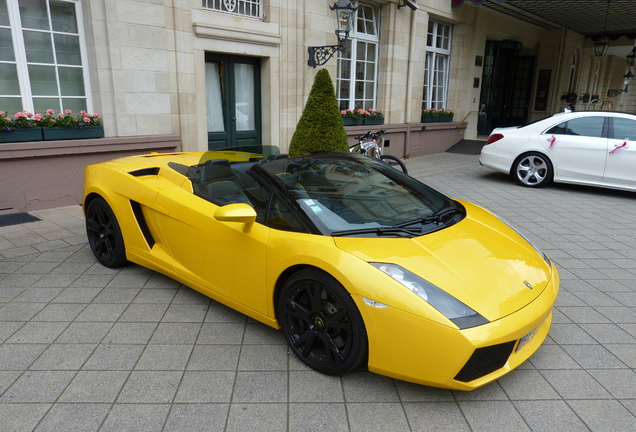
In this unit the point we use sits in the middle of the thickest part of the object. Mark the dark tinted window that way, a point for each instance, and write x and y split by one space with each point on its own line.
584 126
625 129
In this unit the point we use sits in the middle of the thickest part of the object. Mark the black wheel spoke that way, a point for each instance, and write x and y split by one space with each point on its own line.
295 310
335 353
92 225
306 342
315 291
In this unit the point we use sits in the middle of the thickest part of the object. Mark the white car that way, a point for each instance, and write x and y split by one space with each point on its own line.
595 148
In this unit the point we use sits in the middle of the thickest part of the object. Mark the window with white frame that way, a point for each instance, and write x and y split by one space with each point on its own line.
573 71
358 64
438 46
42 56
251 8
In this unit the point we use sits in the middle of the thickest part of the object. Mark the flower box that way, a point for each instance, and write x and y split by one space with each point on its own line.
445 119
66 133
429 119
21 135
374 121
348 121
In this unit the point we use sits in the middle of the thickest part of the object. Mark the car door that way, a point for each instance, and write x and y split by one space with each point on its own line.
215 254
621 153
578 147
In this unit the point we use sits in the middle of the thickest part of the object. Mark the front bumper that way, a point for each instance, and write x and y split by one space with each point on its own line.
411 348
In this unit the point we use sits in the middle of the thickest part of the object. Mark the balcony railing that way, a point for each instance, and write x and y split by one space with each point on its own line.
250 8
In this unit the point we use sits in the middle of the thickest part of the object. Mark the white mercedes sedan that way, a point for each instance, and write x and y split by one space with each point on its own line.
594 148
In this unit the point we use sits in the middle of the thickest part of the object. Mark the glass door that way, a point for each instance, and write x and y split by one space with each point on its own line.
233 102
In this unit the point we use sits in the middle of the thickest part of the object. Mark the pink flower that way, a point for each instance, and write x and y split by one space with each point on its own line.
86 120
38 117
60 115
29 114
68 112
50 112
96 115
75 120
83 112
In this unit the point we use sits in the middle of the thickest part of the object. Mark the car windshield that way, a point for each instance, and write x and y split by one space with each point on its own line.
360 196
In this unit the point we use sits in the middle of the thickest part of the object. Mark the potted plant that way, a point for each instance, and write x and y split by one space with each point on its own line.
319 129
375 117
23 127
352 117
67 126
586 98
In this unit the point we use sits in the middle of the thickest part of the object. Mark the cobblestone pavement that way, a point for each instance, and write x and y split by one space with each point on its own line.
85 348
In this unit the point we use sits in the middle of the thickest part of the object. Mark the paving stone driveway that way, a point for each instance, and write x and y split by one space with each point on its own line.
85 348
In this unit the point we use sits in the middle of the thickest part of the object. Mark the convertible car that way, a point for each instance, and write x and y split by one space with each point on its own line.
358 263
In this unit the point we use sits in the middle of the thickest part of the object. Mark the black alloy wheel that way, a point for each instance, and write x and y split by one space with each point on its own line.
321 323
104 234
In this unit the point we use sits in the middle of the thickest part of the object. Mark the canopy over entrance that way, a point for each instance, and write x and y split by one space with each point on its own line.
592 18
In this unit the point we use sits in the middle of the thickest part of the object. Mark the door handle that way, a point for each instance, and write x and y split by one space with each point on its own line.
234 121
619 146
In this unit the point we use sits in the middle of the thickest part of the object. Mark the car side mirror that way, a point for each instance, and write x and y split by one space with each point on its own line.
241 213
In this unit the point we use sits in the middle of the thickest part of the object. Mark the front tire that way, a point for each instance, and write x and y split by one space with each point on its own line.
104 234
321 323
532 170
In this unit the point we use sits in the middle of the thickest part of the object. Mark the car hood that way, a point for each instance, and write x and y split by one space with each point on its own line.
480 261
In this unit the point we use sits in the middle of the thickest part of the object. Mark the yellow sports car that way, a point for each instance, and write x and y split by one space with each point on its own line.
357 262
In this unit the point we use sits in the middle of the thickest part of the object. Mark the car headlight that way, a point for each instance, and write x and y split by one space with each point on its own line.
456 311
539 251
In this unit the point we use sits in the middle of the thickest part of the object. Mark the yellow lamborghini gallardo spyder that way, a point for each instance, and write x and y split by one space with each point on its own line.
357 262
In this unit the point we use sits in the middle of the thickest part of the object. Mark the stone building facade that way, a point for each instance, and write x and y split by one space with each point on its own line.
192 75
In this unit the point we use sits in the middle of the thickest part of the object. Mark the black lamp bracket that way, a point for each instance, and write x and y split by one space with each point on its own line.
616 92
319 55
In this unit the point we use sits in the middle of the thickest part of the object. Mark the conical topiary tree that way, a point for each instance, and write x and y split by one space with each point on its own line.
320 128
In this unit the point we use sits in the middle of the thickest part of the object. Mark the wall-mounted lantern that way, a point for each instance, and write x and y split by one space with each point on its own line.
631 57
319 55
627 81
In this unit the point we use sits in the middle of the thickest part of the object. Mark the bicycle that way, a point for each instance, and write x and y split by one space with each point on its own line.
370 144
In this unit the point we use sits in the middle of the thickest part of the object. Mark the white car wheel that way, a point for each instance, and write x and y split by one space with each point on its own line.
532 170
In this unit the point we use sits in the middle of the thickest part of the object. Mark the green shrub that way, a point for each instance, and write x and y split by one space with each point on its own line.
320 128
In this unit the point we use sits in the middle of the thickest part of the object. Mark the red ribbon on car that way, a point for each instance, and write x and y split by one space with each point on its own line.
619 147
552 142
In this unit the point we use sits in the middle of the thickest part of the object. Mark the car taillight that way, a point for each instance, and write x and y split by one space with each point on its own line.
494 138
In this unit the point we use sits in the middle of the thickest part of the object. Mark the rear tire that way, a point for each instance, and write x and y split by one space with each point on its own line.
394 162
532 170
104 234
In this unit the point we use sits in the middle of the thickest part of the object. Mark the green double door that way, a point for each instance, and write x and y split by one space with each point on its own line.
233 102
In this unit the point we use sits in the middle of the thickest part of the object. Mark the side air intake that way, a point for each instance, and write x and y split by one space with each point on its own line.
144 172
